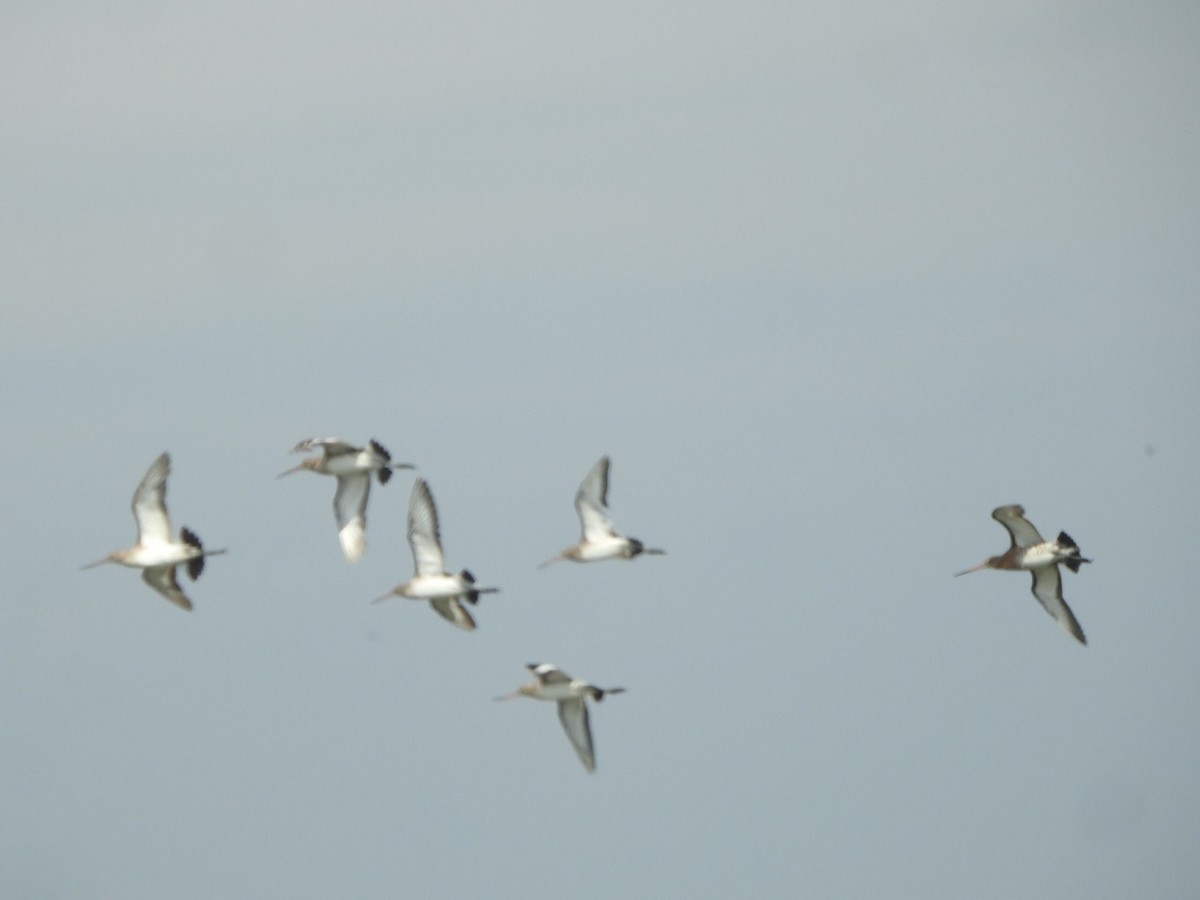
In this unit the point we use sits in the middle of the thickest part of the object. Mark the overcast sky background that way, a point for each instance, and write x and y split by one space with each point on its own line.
828 281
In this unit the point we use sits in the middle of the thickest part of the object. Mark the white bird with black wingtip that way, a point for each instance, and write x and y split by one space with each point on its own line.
353 467
156 553
571 695
431 581
600 539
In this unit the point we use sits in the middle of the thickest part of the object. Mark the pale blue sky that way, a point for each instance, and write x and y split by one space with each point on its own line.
828 282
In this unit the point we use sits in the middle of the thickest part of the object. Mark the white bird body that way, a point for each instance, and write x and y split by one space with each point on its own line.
353 467
559 691
599 539
432 587
1029 551
156 552
143 556
571 695
604 546
352 463
1046 553
430 580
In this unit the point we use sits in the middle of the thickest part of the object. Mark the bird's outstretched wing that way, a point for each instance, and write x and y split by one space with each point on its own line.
450 609
1047 587
329 446
548 673
1020 530
424 534
573 714
591 502
350 510
162 579
150 504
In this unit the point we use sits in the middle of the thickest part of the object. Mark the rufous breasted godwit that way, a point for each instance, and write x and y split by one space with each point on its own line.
431 581
1030 552
600 539
353 467
571 696
156 553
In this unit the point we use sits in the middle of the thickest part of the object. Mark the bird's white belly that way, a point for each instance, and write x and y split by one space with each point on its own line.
603 548
431 587
145 556
565 690
1039 555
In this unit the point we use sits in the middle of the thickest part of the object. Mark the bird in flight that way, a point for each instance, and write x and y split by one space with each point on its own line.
1028 551
571 695
431 581
353 467
600 539
156 553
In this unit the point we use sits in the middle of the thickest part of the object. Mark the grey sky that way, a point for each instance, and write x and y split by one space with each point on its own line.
828 283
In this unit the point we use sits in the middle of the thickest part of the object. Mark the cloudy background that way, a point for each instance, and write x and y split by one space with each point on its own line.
829 282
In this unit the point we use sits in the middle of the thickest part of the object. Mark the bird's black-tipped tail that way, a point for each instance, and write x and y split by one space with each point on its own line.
637 548
195 565
386 472
1076 559
598 694
472 596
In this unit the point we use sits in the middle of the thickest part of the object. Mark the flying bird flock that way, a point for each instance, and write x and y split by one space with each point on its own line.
159 555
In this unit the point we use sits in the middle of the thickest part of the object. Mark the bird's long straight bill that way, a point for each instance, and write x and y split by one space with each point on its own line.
513 696
980 567
290 471
551 562
98 562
